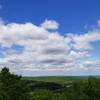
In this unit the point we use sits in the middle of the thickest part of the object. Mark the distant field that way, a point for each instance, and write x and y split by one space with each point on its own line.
57 79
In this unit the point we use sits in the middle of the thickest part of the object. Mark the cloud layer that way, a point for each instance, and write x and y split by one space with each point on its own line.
28 47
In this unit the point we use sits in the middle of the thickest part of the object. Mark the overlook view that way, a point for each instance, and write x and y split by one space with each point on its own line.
49 50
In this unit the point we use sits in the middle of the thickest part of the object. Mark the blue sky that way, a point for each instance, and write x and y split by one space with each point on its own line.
73 15
75 24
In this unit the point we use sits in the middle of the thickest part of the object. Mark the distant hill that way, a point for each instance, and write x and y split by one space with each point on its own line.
58 79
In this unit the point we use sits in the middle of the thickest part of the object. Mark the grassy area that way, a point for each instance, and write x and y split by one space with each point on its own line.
57 79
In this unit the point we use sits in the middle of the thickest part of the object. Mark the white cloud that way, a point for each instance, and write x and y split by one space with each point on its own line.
43 49
84 42
50 24
91 65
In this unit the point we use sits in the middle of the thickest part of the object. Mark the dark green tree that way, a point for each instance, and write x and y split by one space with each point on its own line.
92 89
12 87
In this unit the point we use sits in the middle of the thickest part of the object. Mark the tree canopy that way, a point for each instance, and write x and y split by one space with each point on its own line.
12 87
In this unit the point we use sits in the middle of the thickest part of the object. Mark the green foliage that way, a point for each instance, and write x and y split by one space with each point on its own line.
78 90
43 94
12 87
92 89
57 79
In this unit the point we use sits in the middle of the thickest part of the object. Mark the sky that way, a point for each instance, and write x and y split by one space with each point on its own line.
50 37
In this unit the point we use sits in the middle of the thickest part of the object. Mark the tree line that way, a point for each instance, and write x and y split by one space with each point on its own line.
13 87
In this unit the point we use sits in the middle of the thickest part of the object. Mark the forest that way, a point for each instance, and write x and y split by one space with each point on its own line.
15 87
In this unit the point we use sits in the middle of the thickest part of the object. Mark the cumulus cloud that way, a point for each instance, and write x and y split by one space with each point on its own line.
28 47
84 42
91 65
50 24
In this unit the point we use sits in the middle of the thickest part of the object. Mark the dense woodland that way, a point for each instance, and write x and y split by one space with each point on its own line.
14 87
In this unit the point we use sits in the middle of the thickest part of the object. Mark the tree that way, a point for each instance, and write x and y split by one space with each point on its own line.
12 87
92 89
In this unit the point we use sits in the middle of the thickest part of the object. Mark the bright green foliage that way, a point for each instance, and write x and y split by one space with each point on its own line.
79 90
43 94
